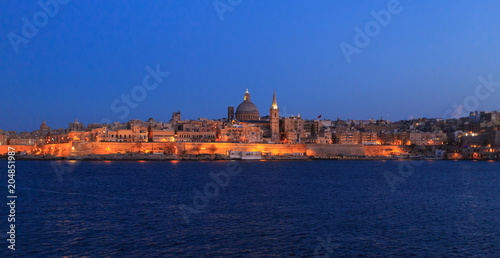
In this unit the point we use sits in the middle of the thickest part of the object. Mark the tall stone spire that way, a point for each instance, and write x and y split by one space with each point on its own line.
274 120
274 105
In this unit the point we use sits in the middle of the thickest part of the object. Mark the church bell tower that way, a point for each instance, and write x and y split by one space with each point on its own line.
274 120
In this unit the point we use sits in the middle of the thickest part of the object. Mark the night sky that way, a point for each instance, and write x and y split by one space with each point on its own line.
90 53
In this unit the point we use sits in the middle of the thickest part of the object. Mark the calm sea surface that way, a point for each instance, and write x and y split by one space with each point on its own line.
256 208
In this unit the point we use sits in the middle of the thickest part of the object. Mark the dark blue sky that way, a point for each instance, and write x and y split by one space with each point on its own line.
425 60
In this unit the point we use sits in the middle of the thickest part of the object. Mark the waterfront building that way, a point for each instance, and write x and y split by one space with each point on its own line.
135 134
292 129
117 125
78 136
120 135
200 125
346 137
369 138
481 153
25 138
421 138
3 139
59 137
97 134
76 126
323 137
22 140
249 133
493 138
230 114
176 117
195 136
356 137
94 126
492 116
163 135
201 130
312 127
388 138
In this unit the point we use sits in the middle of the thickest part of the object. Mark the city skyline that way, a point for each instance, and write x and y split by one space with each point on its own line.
282 113
408 69
250 128
246 124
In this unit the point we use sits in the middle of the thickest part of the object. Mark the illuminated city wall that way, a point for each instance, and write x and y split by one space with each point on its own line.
4 148
335 149
62 149
353 150
85 148
386 150
222 148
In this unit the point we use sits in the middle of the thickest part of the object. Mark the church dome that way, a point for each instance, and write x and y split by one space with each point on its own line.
43 126
247 110
247 107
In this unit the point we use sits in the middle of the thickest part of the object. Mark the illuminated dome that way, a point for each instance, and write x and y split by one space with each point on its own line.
247 110
44 126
